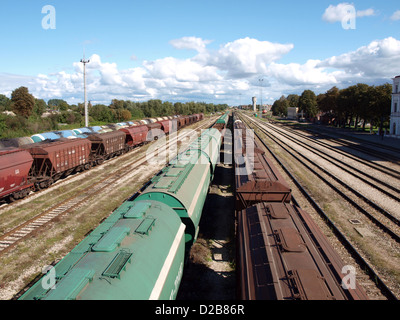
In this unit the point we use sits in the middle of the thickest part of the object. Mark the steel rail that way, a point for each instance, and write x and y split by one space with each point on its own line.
378 223
363 263
376 166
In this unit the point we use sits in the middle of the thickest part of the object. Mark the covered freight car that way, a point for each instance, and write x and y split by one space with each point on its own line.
181 121
166 125
155 131
135 135
56 159
15 165
106 145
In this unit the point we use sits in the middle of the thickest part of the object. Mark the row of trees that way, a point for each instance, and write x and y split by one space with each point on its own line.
360 103
29 112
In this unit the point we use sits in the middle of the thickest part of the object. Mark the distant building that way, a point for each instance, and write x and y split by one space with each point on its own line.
395 111
254 99
9 113
292 113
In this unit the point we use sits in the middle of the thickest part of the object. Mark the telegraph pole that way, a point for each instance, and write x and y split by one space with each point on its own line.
84 88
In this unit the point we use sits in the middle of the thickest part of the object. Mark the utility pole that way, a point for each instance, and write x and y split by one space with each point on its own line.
84 88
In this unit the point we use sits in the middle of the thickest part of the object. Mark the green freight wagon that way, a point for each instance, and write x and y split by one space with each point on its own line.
136 254
183 184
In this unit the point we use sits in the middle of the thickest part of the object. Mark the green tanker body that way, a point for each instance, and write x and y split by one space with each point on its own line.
136 254
224 118
183 184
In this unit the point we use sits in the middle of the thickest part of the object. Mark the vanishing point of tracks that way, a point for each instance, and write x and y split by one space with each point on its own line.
388 223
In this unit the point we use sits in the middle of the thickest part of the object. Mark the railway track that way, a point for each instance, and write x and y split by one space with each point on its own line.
354 143
391 172
394 192
353 200
282 254
12 237
363 263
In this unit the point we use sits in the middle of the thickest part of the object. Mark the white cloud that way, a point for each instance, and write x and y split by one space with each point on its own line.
379 59
194 43
245 57
339 12
305 74
366 13
226 74
336 13
395 16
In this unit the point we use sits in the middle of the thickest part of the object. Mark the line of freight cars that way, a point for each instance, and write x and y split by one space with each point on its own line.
281 253
83 132
35 166
139 251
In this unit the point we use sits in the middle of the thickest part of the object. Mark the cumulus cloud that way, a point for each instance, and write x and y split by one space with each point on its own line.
341 11
181 70
305 74
194 43
395 16
379 59
245 57
219 75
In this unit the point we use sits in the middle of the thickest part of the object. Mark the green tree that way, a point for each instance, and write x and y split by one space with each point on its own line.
63 106
280 107
5 103
380 104
101 112
293 100
23 102
39 107
308 103
55 103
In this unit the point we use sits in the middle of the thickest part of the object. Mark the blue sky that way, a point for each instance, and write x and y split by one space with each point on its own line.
213 51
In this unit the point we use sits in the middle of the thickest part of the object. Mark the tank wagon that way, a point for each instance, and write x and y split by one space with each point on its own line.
175 186
281 253
222 122
139 251
53 157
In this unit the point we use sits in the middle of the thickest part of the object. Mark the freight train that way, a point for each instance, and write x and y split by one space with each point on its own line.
281 253
34 166
139 251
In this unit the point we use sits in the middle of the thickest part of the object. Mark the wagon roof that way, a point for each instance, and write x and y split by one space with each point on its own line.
105 135
47 147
